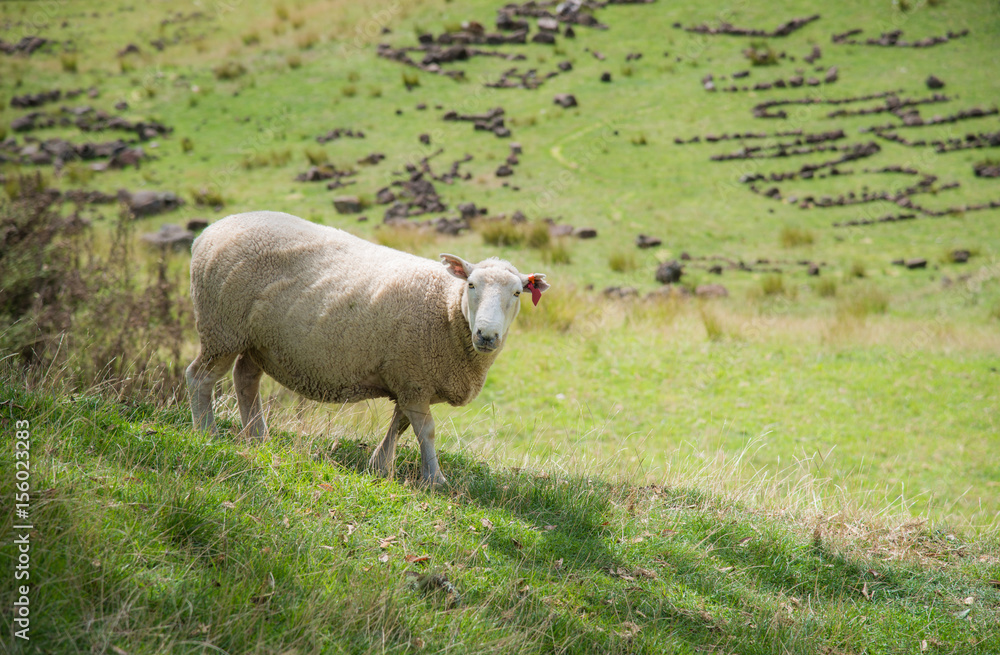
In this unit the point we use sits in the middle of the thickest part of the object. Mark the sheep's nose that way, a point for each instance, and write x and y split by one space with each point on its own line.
485 341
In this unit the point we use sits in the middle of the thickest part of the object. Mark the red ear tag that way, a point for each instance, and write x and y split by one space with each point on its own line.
536 295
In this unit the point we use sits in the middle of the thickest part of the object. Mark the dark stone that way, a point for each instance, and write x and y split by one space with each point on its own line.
916 262
565 100
504 171
605 77
544 37
644 241
149 203
196 225
960 256
347 204
934 82
425 139
585 233
170 236
669 272
813 269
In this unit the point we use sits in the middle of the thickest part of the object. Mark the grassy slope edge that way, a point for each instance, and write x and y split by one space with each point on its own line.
152 538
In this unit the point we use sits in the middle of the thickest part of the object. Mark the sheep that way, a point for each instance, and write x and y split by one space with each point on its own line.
336 318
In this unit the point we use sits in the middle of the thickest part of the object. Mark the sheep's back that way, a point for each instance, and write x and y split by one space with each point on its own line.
325 313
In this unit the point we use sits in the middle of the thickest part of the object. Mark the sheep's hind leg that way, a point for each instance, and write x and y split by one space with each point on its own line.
384 456
201 377
246 379
423 426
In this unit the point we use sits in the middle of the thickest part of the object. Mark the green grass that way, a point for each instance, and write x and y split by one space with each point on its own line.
868 393
151 538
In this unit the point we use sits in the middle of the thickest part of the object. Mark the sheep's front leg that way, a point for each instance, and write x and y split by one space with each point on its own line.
201 377
423 426
384 456
246 379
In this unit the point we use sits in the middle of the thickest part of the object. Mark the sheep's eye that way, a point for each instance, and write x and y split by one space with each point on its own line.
517 293
471 285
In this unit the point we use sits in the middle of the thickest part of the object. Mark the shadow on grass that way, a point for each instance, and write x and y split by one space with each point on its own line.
570 514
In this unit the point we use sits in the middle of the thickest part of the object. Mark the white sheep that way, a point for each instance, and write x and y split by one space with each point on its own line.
338 319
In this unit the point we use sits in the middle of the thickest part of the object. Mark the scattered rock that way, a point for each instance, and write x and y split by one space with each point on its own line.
196 225
621 293
130 49
585 233
934 82
170 236
960 256
893 39
338 133
565 100
26 46
149 203
813 269
347 204
986 169
605 76
711 291
504 171
669 272
425 139
372 159
916 262
644 241
784 29
30 100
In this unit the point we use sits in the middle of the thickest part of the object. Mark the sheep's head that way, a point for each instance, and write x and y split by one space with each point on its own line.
492 297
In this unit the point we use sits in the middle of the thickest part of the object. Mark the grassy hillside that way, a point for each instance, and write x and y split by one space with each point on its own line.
844 421
151 538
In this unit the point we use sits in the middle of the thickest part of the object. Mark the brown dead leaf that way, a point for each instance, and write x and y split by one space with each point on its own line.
667 532
285 522
549 527
351 527
864 592
969 601
384 557
327 487
486 523
228 505
385 543
745 540
416 559
119 651
994 583
923 645
557 564
649 574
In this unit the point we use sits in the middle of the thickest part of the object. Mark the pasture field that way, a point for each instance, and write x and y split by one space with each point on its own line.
846 421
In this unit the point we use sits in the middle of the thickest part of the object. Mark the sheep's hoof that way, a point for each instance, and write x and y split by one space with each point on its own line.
378 466
436 481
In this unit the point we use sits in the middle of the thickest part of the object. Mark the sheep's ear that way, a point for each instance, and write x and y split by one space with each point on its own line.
457 266
536 284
